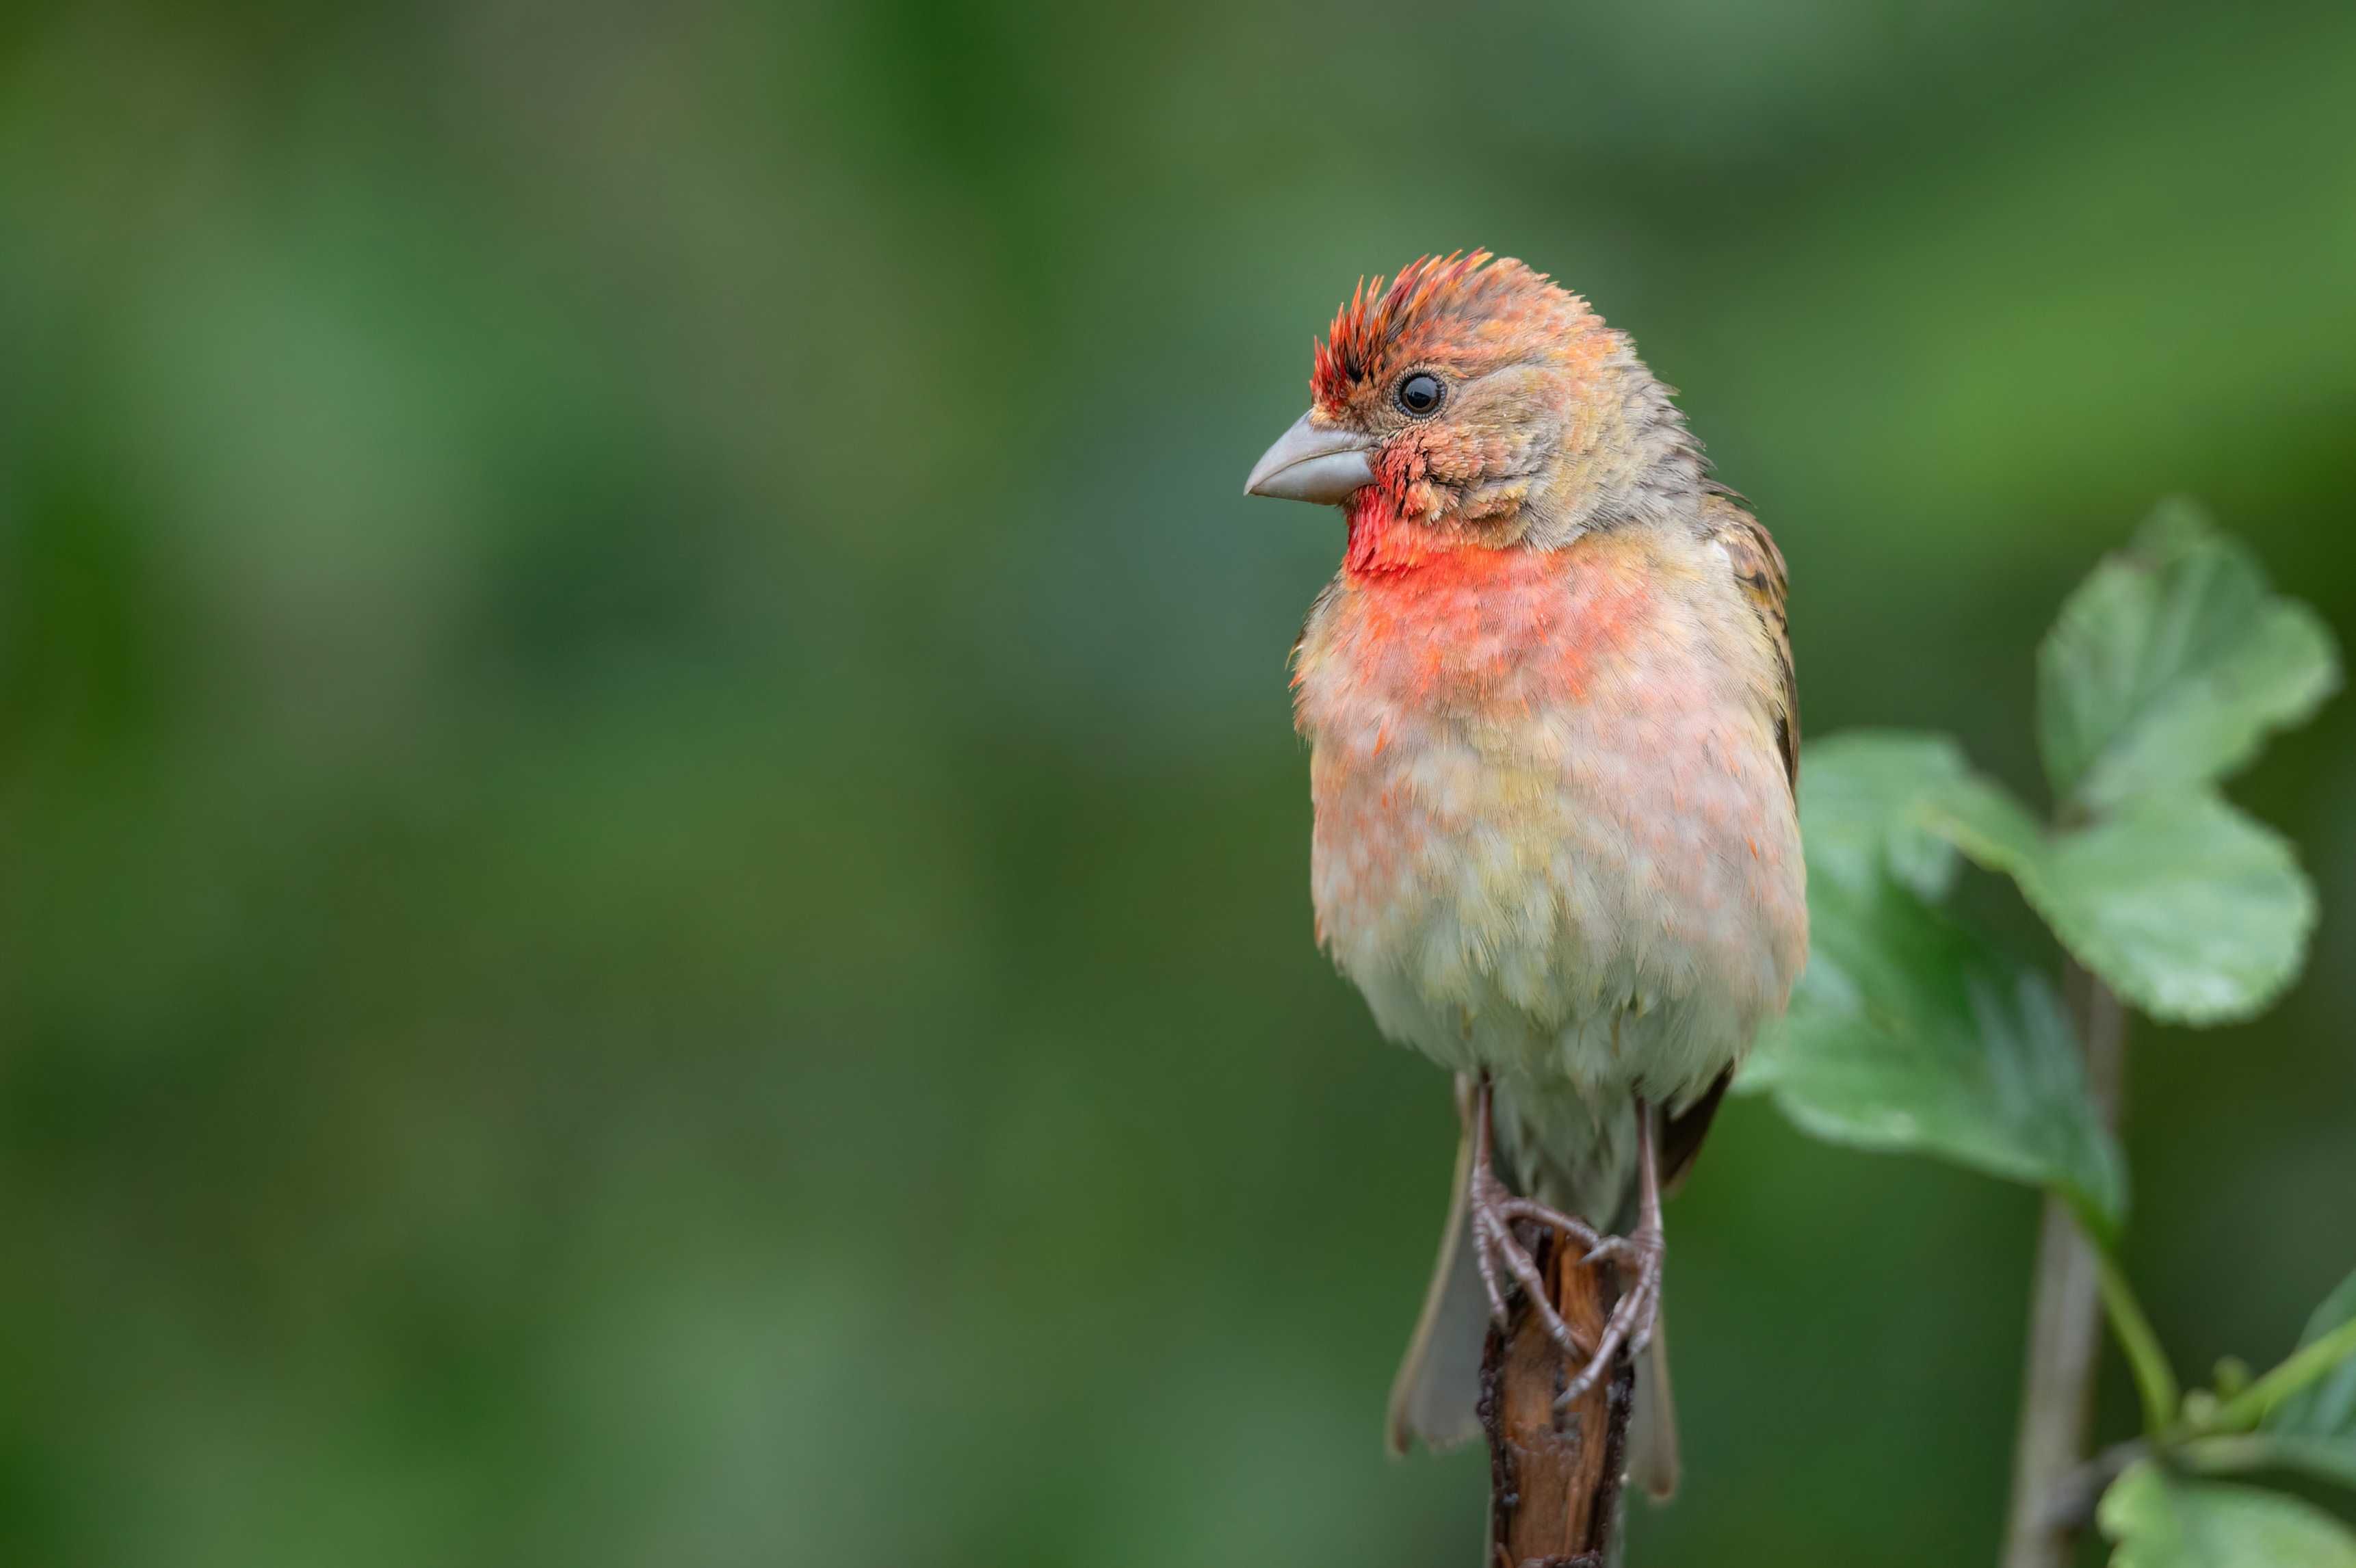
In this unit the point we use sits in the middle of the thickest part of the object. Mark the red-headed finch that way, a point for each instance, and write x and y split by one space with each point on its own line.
1553 740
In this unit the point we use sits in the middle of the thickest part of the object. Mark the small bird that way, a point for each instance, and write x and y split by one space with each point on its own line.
1554 743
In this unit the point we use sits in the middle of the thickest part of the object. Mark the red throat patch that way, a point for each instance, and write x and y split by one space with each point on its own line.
1500 628
1382 542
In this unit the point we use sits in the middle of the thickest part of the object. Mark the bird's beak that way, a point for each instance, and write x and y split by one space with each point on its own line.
1309 463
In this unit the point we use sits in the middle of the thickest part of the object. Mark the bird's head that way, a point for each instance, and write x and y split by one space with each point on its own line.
1474 402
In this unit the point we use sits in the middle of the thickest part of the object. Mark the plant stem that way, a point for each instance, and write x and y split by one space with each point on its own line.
2065 1336
2249 1407
1554 1475
2155 1379
2065 1324
2222 1442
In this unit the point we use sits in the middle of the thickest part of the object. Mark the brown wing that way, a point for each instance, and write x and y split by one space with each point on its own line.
1681 1133
1759 572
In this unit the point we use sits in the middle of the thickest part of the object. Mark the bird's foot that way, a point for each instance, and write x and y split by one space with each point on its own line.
1495 1208
1639 1257
1495 1211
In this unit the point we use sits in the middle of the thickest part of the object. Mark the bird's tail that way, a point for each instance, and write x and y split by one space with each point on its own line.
1653 1462
1434 1398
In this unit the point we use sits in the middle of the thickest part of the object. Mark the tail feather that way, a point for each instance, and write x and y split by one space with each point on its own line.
1652 1461
1435 1397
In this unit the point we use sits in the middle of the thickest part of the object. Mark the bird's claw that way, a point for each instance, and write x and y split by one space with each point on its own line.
1496 1249
1494 1209
1499 1252
1634 1314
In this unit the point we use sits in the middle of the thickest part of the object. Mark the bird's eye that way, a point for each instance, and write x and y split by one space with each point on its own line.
1420 393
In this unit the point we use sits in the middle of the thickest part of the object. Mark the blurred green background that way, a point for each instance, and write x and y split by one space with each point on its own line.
652 868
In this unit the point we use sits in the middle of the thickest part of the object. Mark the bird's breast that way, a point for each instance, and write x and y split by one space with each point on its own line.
1543 805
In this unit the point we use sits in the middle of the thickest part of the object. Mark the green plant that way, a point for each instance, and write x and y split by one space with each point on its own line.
1912 1031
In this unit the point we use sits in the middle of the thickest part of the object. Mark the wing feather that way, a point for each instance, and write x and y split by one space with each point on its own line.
1759 572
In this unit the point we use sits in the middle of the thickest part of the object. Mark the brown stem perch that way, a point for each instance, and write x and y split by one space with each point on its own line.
2065 1328
1554 1476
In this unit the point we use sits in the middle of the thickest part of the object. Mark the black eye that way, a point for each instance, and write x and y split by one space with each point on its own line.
1420 393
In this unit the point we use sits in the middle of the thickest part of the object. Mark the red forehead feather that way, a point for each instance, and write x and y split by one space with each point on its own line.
1376 317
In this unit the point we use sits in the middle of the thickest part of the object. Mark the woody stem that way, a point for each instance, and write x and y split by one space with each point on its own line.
2065 1337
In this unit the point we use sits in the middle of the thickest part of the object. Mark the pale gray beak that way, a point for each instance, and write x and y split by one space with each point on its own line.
1307 463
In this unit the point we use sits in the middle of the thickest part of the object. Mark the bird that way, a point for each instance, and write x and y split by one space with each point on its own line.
1553 732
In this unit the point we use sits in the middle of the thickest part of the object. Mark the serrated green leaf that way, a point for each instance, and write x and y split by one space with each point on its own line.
2160 1521
1980 817
1860 797
2325 1411
1908 1031
2188 909
2170 663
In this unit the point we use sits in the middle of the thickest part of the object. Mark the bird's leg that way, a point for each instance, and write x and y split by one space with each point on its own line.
1494 1209
1640 1256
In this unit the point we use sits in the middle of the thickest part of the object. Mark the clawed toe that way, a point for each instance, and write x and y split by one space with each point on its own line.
1495 1209
1497 1250
1632 1318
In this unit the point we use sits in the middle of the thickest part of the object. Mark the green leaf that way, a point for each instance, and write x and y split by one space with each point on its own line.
2316 1427
2171 662
2160 1521
1908 1031
2187 908
1860 796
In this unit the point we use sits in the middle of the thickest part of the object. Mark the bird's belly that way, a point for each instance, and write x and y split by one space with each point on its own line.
1602 887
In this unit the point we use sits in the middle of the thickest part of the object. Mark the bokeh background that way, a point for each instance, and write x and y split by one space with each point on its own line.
652 870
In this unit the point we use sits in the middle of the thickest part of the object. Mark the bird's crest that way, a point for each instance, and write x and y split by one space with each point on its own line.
1377 316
